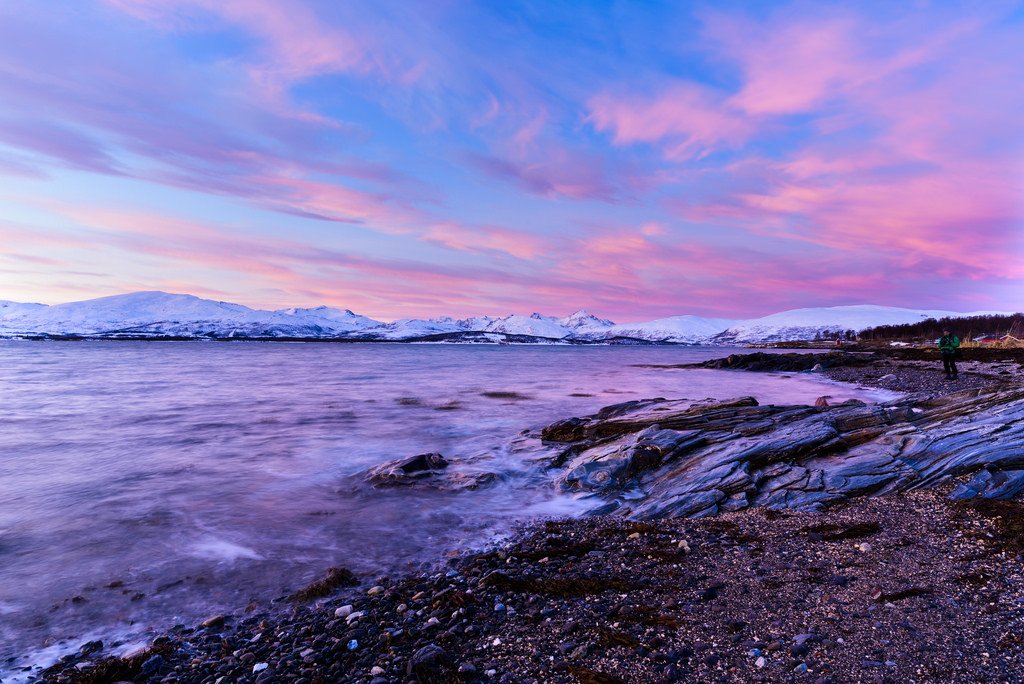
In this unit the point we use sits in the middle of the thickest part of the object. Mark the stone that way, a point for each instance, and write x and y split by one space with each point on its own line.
152 665
215 621
429 662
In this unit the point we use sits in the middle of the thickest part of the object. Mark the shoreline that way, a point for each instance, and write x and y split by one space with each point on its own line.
573 586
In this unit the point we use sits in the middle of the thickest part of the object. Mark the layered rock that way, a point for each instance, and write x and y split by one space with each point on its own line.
661 458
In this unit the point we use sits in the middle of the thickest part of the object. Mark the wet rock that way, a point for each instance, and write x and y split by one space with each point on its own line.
152 665
429 470
215 621
422 463
659 458
430 664
569 430
764 362
335 579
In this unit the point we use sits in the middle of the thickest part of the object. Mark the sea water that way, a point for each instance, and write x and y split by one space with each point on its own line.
145 484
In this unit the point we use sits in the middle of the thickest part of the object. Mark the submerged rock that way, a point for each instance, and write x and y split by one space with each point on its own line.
430 470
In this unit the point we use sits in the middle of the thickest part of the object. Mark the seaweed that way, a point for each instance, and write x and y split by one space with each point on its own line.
335 579
560 587
828 532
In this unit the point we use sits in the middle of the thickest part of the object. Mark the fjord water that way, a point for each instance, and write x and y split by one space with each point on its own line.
144 484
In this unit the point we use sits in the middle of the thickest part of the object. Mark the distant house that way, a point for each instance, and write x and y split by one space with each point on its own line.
996 339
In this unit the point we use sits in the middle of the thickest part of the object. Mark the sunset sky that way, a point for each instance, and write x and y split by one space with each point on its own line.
407 158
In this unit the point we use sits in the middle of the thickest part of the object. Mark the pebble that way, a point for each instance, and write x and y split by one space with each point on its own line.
152 665
433 622
635 535
467 668
344 611
491 673
761 662
215 621
864 547
499 607
376 671
260 667
684 546
401 608
374 591
353 644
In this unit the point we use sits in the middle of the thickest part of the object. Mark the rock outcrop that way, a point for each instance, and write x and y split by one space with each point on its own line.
661 458
429 471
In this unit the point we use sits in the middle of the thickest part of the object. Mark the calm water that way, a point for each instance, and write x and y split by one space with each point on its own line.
198 478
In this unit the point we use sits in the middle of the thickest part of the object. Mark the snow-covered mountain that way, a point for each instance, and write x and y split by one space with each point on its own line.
679 329
163 314
534 325
806 324
408 328
159 314
336 319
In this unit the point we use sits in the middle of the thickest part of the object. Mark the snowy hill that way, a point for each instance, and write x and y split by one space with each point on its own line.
679 329
408 328
336 319
159 314
805 324
163 314
534 325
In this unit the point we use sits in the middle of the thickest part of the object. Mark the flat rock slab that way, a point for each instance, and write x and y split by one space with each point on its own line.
661 458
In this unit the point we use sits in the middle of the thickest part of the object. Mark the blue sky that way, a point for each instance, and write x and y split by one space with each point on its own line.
416 159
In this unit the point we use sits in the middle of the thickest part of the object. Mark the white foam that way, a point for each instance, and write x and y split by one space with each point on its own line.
216 549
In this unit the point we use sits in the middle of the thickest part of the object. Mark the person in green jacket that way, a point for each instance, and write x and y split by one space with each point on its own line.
948 344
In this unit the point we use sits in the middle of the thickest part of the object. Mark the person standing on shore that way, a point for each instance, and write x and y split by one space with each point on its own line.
948 345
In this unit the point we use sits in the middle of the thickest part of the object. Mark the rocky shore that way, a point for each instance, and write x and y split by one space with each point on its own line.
734 543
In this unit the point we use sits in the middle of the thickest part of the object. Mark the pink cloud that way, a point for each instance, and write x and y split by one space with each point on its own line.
689 119
556 173
519 244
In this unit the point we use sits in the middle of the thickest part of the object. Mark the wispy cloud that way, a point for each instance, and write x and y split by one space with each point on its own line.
433 157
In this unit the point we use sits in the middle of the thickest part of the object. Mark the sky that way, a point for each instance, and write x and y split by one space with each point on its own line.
637 159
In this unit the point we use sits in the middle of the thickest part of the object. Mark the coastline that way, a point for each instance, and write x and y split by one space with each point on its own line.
610 639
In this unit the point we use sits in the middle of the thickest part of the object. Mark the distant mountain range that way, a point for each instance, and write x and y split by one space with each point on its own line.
162 315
